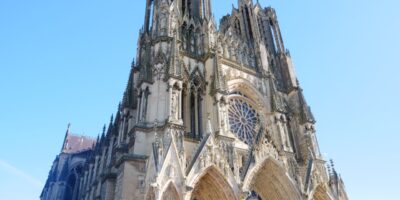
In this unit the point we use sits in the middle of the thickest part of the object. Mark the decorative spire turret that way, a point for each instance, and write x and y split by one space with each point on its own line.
130 95
305 110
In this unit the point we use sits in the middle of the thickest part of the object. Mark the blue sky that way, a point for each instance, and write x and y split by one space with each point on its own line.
68 62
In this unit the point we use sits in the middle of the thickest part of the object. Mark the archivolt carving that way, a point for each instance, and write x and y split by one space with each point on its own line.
250 90
320 193
211 184
270 181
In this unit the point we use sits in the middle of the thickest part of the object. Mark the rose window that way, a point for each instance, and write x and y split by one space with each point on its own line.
243 120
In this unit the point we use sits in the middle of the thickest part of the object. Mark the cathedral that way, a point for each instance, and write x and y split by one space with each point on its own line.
209 113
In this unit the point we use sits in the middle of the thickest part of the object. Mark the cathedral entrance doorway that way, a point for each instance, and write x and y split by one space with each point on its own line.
212 185
269 181
320 193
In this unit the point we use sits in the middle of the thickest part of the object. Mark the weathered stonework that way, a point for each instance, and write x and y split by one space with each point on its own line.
208 114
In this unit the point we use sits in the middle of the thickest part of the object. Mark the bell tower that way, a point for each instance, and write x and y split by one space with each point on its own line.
207 114
200 9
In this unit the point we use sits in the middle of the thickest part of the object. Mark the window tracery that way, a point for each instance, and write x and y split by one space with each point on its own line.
243 120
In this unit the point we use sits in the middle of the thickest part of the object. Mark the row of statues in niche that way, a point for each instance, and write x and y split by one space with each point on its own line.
236 52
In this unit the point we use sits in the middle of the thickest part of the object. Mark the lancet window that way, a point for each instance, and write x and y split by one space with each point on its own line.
238 30
144 96
192 109
184 35
186 7
191 40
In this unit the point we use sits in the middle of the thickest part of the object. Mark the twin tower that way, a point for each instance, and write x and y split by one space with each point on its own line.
208 114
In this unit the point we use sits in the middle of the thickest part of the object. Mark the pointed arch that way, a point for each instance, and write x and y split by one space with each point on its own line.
170 192
191 39
211 184
248 89
320 193
237 26
270 181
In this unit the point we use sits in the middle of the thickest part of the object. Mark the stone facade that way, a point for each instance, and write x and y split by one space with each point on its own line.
208 114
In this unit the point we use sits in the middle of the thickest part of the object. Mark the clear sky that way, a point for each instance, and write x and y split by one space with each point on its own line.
68 62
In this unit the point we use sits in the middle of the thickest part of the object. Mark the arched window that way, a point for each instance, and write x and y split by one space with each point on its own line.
249 23
149 15
196 109
184 35
186 7
238 30
189 7
143 105
183 7
198 42
191 39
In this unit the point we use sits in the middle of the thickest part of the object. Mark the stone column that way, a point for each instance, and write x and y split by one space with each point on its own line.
170 88
119 139
180 105
196 113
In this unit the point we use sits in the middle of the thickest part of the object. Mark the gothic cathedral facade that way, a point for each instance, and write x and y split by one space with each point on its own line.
208 114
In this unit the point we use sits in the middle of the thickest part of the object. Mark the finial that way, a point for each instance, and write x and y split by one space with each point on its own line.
332 164
333 167
112 118
329 169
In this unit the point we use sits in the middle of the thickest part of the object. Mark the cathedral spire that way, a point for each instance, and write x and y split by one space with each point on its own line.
65 143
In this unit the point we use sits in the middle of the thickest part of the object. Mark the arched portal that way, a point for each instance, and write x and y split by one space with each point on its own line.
212 185
170 193
269 180
320 193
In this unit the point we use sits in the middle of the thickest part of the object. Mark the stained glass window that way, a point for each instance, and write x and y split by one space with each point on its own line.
243 120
